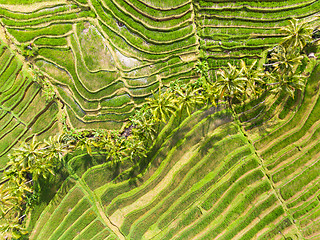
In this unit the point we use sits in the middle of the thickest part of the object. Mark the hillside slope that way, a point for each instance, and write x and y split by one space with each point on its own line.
251 173
209 179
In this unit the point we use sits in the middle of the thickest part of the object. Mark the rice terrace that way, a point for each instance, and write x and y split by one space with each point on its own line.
159 119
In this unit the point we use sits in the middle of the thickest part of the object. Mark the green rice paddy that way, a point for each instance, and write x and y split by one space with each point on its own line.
251 174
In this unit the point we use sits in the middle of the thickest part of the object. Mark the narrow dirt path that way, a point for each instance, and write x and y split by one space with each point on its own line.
97 205
265 171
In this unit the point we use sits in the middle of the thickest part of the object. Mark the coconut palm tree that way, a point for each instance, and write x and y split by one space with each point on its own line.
33 160
135 148
116 151
27 154
298 33
42 167
145 129
55 150
7 199
11 229
287 83
14 169
85 144
103 142
254 76
20 187
176 85
285 61
210 93
230 83
162 106
202 68
188 99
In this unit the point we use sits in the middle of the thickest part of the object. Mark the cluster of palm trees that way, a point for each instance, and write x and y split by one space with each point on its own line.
233 84
116 147
287 58
281 74
20 183
36 161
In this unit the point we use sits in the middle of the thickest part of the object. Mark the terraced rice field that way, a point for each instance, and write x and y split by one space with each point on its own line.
231 30
215 175
105 57
23 109
208 179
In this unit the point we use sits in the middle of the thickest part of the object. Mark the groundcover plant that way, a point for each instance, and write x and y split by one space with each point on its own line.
159 119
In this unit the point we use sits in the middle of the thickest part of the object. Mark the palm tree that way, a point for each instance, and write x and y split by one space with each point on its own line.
104 142
162 106
85 143
254 78
285 61
176 85
188 99
11 229
230 83
42 167
297 34
20 187
14 169
55 149
116 151
287 83
144 126
7 199
210 93
34 159
202 68
135 148
27 154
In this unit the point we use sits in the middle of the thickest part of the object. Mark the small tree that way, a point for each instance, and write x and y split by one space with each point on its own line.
285 61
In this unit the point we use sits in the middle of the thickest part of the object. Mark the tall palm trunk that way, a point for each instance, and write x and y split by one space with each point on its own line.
230 102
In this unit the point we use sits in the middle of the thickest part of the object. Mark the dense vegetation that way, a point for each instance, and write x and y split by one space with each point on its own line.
164 121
